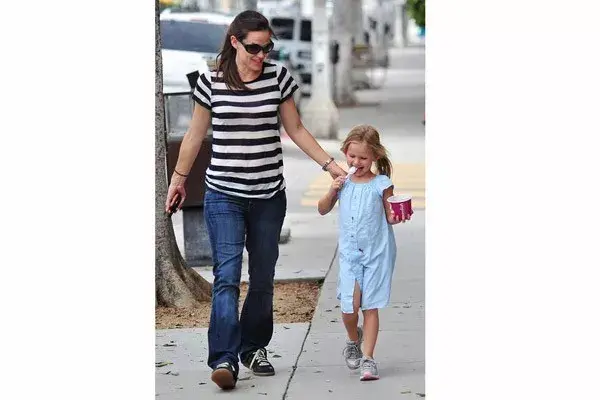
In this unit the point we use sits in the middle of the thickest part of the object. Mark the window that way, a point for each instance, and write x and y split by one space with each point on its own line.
306 30
202 37
283 28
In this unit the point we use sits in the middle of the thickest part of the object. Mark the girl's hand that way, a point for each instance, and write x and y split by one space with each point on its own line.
337 183
398 218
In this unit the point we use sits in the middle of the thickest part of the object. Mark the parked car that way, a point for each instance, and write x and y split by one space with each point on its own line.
190 42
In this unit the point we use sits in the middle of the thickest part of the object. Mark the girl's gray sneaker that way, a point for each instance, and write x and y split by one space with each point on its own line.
352 352
368 369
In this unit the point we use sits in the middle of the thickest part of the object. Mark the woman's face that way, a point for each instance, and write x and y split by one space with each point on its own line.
253 62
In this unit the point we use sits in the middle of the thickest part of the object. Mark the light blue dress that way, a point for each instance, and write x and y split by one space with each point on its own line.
367 248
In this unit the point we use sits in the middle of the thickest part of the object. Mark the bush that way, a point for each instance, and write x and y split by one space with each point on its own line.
416 11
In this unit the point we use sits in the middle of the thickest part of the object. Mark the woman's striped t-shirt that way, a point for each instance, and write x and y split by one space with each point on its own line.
247 159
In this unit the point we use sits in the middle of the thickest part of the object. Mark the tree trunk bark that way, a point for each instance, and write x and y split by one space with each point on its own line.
176 284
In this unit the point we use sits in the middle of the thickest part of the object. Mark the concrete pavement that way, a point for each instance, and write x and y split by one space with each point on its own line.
308 357
400 352
188 377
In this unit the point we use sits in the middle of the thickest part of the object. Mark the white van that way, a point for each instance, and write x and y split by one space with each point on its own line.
294 36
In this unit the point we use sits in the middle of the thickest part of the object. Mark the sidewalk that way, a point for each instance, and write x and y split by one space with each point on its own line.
307 357
400 350
321 371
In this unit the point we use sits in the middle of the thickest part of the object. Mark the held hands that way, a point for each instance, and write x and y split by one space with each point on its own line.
335 170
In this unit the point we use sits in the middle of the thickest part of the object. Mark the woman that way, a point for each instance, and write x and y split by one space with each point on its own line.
245 200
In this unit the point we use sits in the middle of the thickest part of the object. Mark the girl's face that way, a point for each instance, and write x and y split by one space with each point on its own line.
253 40
360 156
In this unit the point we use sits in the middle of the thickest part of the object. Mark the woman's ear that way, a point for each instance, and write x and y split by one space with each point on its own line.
233 41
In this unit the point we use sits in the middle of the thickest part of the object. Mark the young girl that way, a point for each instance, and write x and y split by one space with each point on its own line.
367 248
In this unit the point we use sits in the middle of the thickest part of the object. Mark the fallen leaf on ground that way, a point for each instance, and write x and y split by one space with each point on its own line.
162 363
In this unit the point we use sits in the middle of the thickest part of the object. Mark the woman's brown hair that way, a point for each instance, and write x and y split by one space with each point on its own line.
244 22
370 136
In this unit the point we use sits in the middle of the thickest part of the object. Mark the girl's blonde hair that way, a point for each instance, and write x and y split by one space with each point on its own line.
370 136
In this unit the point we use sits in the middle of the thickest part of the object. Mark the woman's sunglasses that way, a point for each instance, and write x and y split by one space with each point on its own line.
254 48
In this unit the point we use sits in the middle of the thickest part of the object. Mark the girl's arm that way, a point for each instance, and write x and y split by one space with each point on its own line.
327 202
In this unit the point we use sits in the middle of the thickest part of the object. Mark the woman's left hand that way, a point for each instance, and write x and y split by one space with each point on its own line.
335 170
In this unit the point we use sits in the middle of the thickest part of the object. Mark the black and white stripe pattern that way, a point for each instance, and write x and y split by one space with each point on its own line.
247 160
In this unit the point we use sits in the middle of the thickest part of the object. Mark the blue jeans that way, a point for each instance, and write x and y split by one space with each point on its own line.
232 222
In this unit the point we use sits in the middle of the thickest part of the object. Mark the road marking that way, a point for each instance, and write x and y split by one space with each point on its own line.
408 179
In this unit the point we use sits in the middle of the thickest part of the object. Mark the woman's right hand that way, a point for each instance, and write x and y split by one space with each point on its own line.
335 170
176 190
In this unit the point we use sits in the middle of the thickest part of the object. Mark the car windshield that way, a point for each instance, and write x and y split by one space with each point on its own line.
202 37
283 28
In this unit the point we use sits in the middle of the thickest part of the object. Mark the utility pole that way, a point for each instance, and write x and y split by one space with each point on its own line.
320 114
250 4
343 32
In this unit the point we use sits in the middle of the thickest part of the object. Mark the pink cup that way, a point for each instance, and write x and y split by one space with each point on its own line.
401 205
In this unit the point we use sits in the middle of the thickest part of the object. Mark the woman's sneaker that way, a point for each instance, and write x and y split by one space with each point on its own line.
257 362
368 369
352 352
224 376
